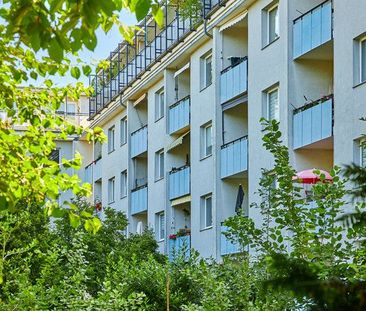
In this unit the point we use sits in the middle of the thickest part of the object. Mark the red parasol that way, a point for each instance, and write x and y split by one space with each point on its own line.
309 177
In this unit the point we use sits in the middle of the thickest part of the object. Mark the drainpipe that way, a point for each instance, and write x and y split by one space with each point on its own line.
205 29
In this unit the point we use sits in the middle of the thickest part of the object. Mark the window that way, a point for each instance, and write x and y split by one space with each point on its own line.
159 164
206 135
111 183
55 155
123 131
160 220
159 105
206 70
363 60
273 109
206 211
123 185
362 153
273 24
111 139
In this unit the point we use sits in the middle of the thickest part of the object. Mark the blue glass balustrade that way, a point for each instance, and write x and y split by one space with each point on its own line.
234 81
179 246
313 122
228 246
139 200
97 170
179 115
234 157
312 29
179 182
139 141
88 174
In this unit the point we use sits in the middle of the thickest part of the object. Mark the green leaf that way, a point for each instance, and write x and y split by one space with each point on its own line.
142 8
33 75
87 70
75 72
74 220
158 14
55 51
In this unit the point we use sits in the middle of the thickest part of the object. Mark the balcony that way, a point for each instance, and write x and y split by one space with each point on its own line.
228 247
313 122
179 115
139 200
234 157
312 29
88 174
234 81
179 182
179 245
97 170
139 141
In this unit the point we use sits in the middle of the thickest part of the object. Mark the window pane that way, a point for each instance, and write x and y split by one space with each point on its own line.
273 105
208 70
363 60
123 184
208 211
123 131
111 139
273 24
71 108
208 140
363 156
161 226
161 166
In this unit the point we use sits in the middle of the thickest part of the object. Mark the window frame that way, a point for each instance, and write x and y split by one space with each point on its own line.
111 190
203 78
361 61
205 146
273 7
123 128
123 190
205 224
159 104
159 169
268 92
160 226
111 142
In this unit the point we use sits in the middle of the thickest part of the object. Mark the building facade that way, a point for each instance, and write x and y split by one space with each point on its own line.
181 109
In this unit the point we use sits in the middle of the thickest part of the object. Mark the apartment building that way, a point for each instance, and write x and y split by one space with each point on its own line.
181 108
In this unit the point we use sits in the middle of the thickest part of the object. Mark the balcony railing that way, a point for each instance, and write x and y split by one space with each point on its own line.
88 174
228 246
179 246
234 157
312 29
139 200
97 170
179 182
139 141
234 81
313 122
179 115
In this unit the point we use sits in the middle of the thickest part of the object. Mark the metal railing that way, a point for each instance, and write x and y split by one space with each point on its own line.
234 80
139 200
139 141
179 115
179 182
313 122
127 63
313 29
234 157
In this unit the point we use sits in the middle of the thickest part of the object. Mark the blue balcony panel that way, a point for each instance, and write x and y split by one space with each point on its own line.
180 246
179 115
234 157
228 246
97 170
139 141
139 200
179 182
312 29
313 123
88 174
233 81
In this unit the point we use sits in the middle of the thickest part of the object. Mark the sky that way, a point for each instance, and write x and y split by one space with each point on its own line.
106 44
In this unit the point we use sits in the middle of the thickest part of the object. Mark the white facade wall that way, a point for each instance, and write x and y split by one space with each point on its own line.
325 70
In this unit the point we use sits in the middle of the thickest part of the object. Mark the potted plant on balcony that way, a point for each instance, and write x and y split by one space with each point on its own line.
183 232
